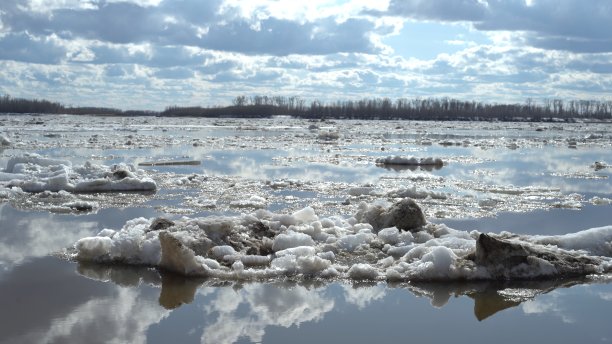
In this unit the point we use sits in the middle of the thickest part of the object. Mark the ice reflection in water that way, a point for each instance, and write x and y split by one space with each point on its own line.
102 304
231 312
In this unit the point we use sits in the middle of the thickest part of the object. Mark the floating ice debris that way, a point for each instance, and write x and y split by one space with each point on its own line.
489 202
599 165
328 135
413 192
252 202
81 205
409 161
265 245
192 179
170 163
34 173
573 201
568 204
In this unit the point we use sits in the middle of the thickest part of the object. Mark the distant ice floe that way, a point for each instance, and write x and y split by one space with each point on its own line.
393 243
35 173
328 135
252 202
409 161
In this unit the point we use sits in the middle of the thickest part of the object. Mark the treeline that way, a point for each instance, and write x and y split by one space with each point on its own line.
22 106
413 109
372 108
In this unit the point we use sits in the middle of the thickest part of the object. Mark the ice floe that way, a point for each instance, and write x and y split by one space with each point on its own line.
392 243
35 173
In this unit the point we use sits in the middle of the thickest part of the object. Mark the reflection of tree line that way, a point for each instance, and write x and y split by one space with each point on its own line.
489 297
372 108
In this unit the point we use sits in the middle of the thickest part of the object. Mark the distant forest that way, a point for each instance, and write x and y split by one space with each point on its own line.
374 108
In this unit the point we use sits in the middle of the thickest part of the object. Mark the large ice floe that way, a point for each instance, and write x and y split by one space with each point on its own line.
35 173
392 242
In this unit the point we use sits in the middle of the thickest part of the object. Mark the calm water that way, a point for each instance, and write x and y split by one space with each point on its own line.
46 299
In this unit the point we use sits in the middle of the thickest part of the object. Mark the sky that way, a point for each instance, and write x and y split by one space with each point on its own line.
149 54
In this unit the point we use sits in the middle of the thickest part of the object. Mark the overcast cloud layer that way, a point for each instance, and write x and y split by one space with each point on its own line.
154 53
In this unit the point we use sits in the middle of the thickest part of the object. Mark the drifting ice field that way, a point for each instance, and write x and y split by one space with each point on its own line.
266 224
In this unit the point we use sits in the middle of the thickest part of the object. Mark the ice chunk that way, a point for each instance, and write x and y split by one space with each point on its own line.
405 215
600 165
435 264
363 272
178 258
93 248
310 265
291 239
328 135
21 164
595 200
223 250
4 141
300 251
7 177
253 202
413 192
255 260
351 242
305 215
389 235
506 259
596 241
